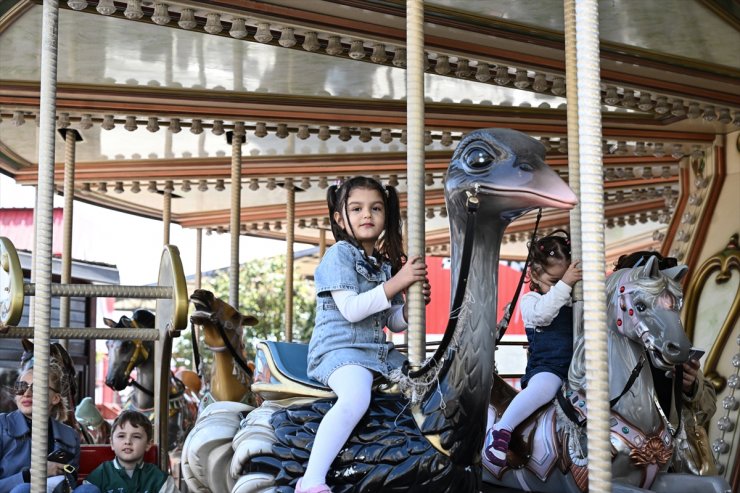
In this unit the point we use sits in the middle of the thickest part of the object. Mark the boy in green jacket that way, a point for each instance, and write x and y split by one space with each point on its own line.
131 438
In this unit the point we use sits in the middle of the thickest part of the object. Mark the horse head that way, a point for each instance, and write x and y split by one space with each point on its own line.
644 305
217 317
125 355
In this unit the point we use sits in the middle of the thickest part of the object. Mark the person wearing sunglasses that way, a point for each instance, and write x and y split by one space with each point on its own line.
15 440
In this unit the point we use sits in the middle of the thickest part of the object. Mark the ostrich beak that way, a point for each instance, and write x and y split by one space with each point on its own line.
544 188
552 190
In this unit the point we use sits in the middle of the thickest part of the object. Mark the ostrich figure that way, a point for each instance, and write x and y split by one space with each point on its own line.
435 445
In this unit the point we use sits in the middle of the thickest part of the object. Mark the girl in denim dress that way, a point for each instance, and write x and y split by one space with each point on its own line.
548 320
359 285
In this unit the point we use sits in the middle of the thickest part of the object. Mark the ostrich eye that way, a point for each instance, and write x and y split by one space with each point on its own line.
640 306
478 159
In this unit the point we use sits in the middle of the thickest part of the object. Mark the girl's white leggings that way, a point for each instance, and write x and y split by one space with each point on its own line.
540 390
353 385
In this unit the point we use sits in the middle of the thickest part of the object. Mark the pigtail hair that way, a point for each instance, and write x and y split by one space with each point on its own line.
391 245
332 198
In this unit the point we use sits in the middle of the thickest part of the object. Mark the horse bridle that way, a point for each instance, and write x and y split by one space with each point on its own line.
141 354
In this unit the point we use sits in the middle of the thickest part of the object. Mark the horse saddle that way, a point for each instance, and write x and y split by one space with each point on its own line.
534 442
280 372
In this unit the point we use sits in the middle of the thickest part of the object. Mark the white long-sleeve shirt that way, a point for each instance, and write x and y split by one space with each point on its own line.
355 307
539 310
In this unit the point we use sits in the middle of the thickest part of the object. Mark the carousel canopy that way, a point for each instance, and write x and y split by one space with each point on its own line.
318 89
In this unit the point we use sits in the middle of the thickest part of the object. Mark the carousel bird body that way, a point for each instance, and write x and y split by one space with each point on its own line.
434 444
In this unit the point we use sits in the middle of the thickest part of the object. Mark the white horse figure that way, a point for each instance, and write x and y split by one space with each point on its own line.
547 452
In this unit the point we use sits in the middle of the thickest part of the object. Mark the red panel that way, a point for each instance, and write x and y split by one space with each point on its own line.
438 310
91 456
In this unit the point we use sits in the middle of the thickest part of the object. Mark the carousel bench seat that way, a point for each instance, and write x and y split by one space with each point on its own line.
291 360
280 372
91 456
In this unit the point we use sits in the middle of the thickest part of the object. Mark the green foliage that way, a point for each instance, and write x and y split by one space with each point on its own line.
262 294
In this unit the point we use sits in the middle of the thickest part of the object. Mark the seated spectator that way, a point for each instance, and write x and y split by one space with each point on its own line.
131 438
15 440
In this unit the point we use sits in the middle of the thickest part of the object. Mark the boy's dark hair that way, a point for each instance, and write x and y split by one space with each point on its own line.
390 244
547 250
135 419
630 260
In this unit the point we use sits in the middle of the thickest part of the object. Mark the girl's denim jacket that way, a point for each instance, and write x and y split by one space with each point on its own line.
336 341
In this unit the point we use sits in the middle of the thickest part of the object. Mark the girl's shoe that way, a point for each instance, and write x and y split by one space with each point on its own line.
319 488
497 444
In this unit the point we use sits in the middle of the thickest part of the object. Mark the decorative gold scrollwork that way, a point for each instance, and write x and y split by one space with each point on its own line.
722 263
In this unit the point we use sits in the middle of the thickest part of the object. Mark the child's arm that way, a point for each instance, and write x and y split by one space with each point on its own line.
414 270
539 310
355 307
397 319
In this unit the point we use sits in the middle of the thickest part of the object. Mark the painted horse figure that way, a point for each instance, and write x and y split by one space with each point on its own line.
435 444
547 452
222 326
229 387
125 355
92 428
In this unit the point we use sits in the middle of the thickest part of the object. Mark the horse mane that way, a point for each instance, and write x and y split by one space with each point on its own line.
647 288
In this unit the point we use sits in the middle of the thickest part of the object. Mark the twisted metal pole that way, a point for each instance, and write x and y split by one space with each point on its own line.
198 257
101 290
289 240
592 219
235 218
43 225
577 371
167 212
70 142
415 170
322 242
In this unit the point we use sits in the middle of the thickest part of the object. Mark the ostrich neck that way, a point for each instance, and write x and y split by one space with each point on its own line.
637 405
468 379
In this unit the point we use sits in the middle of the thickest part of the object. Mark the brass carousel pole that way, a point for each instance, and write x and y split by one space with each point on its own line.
322 242
415 174
167 211
198 281
574 174
70 141
198 257
289 240
42 249
236 137
592 219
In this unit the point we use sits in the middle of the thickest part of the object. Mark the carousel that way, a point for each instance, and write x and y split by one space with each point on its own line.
159 109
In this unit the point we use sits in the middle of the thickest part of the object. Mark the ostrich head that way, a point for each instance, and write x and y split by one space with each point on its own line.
508 165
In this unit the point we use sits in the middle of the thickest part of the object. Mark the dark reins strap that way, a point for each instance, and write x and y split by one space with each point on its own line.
570 411
678 395
504 322
635 373
196 352
459 294
178 384
141 387
234 353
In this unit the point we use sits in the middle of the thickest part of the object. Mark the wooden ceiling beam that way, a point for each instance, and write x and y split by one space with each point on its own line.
284 166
